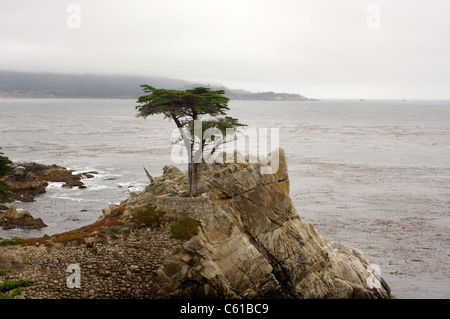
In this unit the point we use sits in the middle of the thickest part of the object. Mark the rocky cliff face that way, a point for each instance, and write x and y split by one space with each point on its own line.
252 242
244 239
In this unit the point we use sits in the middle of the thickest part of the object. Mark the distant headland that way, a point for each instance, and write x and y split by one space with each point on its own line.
54 85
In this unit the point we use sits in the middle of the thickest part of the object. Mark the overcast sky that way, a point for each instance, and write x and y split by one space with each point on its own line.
317 48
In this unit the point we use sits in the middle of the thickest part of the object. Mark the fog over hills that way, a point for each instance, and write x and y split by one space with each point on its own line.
21 84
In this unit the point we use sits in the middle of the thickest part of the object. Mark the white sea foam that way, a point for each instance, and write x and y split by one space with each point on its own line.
55 185
66 197
132 187
97 187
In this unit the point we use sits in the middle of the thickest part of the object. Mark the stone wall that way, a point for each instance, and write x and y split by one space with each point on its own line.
116 268
196 207
124 267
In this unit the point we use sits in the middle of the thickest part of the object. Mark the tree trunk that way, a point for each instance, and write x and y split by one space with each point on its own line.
189 144
192 178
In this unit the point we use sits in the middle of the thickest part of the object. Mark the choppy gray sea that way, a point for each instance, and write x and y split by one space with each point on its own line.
374 175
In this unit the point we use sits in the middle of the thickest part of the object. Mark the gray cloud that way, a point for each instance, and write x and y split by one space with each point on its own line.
321 48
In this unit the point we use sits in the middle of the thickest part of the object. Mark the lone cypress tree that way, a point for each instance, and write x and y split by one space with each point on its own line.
185 108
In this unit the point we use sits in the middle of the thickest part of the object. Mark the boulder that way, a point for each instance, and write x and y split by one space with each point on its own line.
18 172
170 171
11 218
25 187
253 243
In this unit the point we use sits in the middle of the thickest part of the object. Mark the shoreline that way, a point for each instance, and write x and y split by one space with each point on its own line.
220 228
374 180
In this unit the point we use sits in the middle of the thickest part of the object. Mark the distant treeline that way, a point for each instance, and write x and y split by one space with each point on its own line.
21 84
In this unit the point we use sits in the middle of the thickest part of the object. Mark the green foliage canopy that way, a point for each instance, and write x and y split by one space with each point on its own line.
4 170
175 103
186 108
4 167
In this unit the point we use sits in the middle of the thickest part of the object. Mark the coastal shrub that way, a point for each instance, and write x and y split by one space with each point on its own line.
4 167
4 170
14 285
13 241
4 272
4 189
149 217
185 228
15 292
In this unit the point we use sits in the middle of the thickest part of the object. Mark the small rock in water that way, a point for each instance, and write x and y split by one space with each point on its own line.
11 218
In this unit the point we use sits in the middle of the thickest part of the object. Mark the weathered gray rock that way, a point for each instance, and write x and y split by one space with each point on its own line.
171 172
29 179
253 244
11 218
18 172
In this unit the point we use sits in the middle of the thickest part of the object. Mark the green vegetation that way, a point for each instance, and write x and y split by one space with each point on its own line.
4 272
13 284
13 241
4 170
149 217
185 228
10 295
4 189
4 167
186 109
10 289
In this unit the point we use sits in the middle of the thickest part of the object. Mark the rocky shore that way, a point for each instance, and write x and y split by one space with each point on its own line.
11 218
240 238
29 179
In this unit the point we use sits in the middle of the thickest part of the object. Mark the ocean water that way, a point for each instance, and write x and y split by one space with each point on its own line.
374 175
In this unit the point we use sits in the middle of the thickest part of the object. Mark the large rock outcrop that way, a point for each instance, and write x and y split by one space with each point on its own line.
252 242
11 218
29 179
241 237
